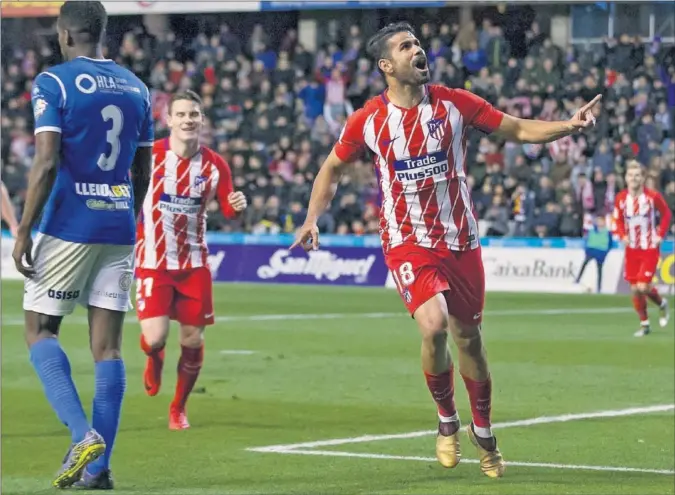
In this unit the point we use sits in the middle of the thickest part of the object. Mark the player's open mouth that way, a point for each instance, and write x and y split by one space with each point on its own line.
420 63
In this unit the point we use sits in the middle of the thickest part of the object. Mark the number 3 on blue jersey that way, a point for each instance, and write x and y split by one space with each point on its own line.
111 112
77 116
103 114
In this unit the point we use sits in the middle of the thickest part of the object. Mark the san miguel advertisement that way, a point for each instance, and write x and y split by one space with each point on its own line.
275 264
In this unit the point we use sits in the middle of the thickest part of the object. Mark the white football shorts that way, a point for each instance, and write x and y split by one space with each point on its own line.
68 273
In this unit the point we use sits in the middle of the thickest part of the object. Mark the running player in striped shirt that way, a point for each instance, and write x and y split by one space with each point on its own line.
635 223
173 276
417 134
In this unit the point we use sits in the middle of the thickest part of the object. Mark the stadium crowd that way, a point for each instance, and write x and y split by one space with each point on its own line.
274 111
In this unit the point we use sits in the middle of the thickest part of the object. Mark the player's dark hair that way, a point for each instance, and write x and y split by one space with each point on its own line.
85 20
377 47
188 94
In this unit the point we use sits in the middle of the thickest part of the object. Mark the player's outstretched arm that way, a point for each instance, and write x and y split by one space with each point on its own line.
323 191
7 210
141 169
541 131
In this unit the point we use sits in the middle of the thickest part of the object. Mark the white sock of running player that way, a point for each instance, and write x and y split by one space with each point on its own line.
482 432
451 419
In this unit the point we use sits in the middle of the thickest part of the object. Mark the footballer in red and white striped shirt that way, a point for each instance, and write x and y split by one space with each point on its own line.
173 277
635 224
417 133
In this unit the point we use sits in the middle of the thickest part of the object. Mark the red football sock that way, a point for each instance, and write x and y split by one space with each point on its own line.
480 397
655 297
640 305
189 366
147 348
442 389
153 367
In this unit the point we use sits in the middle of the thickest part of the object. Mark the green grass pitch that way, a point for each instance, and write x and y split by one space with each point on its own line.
344 364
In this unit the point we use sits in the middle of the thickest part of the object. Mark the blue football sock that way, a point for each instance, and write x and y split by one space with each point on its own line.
111 382
53 369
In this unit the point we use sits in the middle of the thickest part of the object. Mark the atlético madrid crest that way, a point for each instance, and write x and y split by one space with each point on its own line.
436 130
200 183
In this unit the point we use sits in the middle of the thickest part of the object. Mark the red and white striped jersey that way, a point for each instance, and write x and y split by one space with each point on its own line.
170 232
420 160
635 218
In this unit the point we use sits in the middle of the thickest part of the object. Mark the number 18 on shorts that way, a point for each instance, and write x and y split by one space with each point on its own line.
421 273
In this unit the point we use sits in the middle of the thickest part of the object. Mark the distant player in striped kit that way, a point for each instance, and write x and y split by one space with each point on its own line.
635 223
173 277
417 134
598 242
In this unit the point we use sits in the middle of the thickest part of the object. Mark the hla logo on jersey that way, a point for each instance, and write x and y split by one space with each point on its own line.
88 84
320 264
422 167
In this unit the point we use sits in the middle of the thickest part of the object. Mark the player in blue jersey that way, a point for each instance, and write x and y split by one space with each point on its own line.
93 138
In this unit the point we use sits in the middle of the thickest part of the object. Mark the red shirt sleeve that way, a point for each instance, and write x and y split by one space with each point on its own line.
666 214
224 186
619 221
351 142
476 111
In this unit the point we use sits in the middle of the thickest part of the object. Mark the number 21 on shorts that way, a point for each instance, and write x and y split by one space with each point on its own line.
143 291
404 276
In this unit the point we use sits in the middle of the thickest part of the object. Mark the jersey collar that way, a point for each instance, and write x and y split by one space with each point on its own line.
387 101
95 59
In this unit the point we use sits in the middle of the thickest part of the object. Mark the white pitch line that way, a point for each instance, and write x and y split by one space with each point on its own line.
15 320
563 418
337 453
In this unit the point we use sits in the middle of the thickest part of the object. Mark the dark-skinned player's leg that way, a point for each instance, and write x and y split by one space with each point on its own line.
61 272
105 337
108 297
53 369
